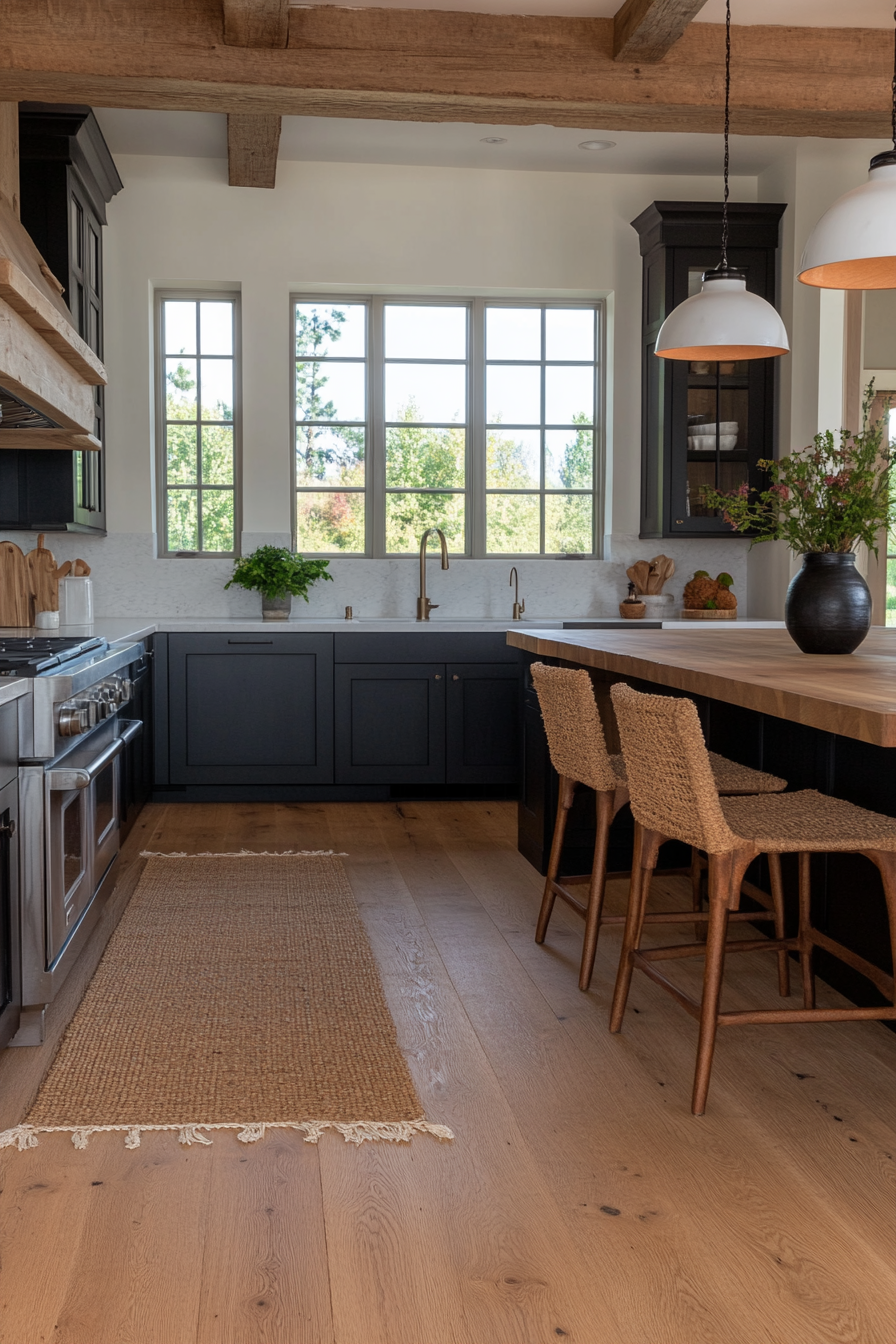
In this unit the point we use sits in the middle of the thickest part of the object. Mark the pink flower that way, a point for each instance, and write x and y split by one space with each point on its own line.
743 490
782 491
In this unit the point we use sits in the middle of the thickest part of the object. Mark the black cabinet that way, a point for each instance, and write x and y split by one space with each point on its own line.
250 709
67 178
482 722
136 759
679 241
390 723
354 715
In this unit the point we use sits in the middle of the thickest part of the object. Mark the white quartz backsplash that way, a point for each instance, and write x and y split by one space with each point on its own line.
128 579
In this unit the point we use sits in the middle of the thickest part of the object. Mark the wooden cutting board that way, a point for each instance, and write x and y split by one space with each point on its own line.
44 582
16 602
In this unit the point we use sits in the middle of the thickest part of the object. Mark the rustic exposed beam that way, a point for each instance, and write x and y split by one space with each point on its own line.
252 144
430 65
645 30
9 154
256 23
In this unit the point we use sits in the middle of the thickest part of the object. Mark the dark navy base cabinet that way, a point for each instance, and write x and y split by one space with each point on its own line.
390 723
302 717
250 709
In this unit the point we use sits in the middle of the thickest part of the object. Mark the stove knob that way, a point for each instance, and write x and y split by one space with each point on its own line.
92 710
73 719
127 690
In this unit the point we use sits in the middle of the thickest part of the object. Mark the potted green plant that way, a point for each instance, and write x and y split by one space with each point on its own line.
279 575
823 501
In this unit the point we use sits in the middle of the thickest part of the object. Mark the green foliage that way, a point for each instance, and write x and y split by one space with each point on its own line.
275 571
425 474
725 579
701 574
823 498
197 456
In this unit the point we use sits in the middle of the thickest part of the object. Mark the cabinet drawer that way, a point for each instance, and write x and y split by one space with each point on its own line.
390 723
250 709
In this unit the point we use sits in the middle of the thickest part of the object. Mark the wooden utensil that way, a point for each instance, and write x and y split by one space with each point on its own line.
81 569
639 573
15 586
43 583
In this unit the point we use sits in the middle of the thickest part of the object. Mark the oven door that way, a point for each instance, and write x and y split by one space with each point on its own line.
83 826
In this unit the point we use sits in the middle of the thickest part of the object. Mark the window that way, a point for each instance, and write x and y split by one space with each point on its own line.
198 424
478 417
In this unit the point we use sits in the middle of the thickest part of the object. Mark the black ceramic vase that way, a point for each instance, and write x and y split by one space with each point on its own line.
828 605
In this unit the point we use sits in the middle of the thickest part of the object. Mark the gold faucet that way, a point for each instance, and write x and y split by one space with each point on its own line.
518 606
424 606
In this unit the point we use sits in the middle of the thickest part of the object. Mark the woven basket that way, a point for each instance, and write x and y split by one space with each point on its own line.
632 611
720 614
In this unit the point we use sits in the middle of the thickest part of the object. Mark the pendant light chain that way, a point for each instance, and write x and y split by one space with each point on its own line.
728 120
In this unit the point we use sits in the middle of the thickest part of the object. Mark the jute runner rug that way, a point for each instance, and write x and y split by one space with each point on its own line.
239 991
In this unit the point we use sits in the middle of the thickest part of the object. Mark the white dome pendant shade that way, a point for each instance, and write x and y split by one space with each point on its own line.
853 246
724 321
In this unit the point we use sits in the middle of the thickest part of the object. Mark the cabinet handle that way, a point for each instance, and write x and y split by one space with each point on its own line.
9 829
455 677
438 676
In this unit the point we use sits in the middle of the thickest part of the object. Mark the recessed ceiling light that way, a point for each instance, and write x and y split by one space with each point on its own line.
493 140
597 144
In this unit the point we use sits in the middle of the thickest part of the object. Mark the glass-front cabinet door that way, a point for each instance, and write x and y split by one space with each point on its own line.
703 423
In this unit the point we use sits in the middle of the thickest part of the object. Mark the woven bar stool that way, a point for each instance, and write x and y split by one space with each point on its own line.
673 795
579 754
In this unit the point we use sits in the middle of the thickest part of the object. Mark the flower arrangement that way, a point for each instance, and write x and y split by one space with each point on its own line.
275 572
823 498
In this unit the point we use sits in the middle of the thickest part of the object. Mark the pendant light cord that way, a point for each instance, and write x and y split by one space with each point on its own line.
893 86
728 120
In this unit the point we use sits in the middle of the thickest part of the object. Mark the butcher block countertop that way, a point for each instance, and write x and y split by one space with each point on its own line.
853 695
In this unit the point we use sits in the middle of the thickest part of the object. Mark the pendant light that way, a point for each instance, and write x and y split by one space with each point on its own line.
723 321
853 246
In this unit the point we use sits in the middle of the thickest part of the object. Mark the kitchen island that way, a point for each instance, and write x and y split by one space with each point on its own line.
826 723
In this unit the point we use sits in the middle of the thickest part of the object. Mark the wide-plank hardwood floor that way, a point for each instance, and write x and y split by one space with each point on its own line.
580 1200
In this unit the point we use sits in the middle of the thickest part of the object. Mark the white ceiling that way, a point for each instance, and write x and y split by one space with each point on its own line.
801 13
441 144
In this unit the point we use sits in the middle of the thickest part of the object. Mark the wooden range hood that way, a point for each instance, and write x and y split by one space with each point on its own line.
44 364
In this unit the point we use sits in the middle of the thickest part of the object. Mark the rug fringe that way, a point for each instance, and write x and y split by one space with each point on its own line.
357 1132
249 854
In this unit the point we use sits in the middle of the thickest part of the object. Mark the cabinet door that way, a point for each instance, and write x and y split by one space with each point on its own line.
483 723
10 950
250 709
390 723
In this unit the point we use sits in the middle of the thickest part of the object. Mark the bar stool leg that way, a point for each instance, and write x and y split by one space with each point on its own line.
597 886
564 803
697 892
805 938
774 876
885 862
721 884
644 856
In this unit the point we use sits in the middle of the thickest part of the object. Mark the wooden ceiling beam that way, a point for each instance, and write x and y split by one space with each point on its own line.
256 23
252 144
434 65
645 30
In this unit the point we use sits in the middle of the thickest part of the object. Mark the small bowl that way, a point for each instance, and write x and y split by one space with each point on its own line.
706 443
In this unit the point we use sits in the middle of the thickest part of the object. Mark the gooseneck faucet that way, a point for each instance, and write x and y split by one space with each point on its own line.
518 606
424 606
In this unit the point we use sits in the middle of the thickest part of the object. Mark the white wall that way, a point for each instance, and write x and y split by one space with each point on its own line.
365 228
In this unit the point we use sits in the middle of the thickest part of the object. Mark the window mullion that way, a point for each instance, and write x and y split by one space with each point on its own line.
476 432
376 462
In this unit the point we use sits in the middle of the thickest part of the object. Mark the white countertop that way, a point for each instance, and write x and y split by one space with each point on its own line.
118 629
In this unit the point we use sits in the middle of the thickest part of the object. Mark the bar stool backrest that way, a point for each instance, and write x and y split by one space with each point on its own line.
572 723
669 775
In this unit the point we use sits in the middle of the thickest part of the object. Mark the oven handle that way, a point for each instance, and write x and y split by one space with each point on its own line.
63 780
128 729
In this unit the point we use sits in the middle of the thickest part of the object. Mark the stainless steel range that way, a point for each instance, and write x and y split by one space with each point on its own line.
71 735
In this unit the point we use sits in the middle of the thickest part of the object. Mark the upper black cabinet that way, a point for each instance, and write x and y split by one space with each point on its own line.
679 241
67 178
